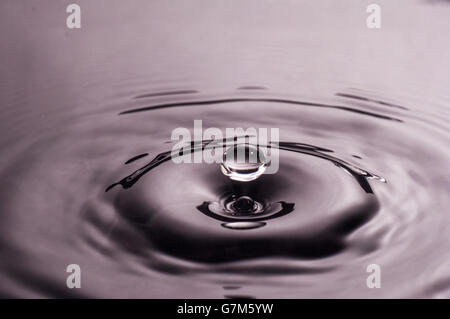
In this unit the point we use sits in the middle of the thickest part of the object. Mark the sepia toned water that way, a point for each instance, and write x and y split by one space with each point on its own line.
364 174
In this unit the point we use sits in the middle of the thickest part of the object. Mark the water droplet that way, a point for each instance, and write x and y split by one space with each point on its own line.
243 163
244 225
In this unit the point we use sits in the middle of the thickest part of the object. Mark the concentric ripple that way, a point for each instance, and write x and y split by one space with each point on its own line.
279 215
319 206
363 117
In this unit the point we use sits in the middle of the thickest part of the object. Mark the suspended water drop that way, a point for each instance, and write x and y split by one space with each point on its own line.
243 162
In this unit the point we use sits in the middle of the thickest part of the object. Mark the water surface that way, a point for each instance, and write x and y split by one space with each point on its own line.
364 149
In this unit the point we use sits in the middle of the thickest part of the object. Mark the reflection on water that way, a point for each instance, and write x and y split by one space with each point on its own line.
363 178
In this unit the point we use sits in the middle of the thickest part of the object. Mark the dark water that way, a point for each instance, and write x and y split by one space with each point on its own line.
364 149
